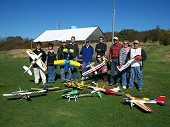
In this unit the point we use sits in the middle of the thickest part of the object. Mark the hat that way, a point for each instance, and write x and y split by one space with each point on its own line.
63 41
38 43
136 41
115 38
87 41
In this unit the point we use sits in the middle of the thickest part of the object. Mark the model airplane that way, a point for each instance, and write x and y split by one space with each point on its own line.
36 59
123 67
114 91
67 63
24 93
74 84
74 94
46 87
140 101
93 69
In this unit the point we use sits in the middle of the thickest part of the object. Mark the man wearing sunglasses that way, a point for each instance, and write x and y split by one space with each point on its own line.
136 67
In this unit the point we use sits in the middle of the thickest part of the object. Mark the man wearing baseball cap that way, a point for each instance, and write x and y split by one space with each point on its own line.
136 67
114 61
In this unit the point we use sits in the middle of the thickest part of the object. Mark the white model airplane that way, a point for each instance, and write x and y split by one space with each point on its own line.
93 69
36 60
24 93
140 101
129 62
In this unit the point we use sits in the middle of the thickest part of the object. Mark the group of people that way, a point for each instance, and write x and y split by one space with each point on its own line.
118 55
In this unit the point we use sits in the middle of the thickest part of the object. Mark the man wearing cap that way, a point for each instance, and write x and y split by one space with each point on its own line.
63 55
122 60
136 67
101 47
87 52
74 56
37 70
114 61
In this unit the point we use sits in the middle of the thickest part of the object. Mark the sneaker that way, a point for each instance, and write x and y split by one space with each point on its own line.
140 89
87 77
82 78
116 85
93 82
124 87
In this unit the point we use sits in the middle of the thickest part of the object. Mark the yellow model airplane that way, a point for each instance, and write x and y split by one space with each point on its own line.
67 63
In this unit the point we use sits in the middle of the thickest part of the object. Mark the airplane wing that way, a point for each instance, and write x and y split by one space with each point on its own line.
41 64
143 106
25 93
93 69
31 54
74 63
59 62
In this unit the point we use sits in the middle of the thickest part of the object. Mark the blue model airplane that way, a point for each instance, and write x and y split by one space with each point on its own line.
67 62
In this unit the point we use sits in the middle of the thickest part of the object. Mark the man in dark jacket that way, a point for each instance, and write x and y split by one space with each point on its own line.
74 57
101 47
87 52
36 68
61 56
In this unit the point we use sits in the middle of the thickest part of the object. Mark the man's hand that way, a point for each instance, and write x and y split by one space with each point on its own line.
138 57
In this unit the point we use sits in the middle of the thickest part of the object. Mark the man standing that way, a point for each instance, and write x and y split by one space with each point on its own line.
114 61
74 56
51 56
62 55
136 67
101 47
87 52
36 68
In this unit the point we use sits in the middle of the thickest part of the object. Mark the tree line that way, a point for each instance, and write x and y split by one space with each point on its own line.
156 35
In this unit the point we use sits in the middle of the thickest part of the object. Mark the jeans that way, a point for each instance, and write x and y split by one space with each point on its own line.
113 68
124 78
84 67
64 75
51 73
74 71
135 71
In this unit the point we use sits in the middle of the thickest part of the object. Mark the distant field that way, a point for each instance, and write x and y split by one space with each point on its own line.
50 110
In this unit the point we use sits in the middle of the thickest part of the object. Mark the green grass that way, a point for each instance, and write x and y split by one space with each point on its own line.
51 110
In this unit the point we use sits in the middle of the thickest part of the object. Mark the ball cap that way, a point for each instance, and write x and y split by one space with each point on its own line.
63 41
136 41
87 41
115 38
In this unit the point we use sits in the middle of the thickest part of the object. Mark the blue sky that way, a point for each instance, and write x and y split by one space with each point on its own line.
30 18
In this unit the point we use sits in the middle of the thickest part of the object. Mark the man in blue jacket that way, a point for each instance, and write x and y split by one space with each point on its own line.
87 52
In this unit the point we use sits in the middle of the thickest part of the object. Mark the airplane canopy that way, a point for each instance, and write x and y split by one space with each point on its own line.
81 34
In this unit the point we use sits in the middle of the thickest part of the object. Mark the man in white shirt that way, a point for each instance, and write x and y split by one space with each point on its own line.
136 67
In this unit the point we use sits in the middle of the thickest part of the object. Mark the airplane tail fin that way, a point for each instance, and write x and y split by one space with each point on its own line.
160 100
27 69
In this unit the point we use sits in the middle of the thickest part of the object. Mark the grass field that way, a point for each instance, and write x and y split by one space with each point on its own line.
50 110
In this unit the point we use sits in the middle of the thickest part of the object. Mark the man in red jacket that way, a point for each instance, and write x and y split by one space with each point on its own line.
114 61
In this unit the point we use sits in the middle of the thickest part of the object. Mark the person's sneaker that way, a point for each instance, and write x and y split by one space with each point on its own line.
87 77
93 82
116 85
110 84
140 89
124 87
129 88
82 78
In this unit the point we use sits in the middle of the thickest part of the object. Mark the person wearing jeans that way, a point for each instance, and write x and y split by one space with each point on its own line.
87 52
51 56
136 67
